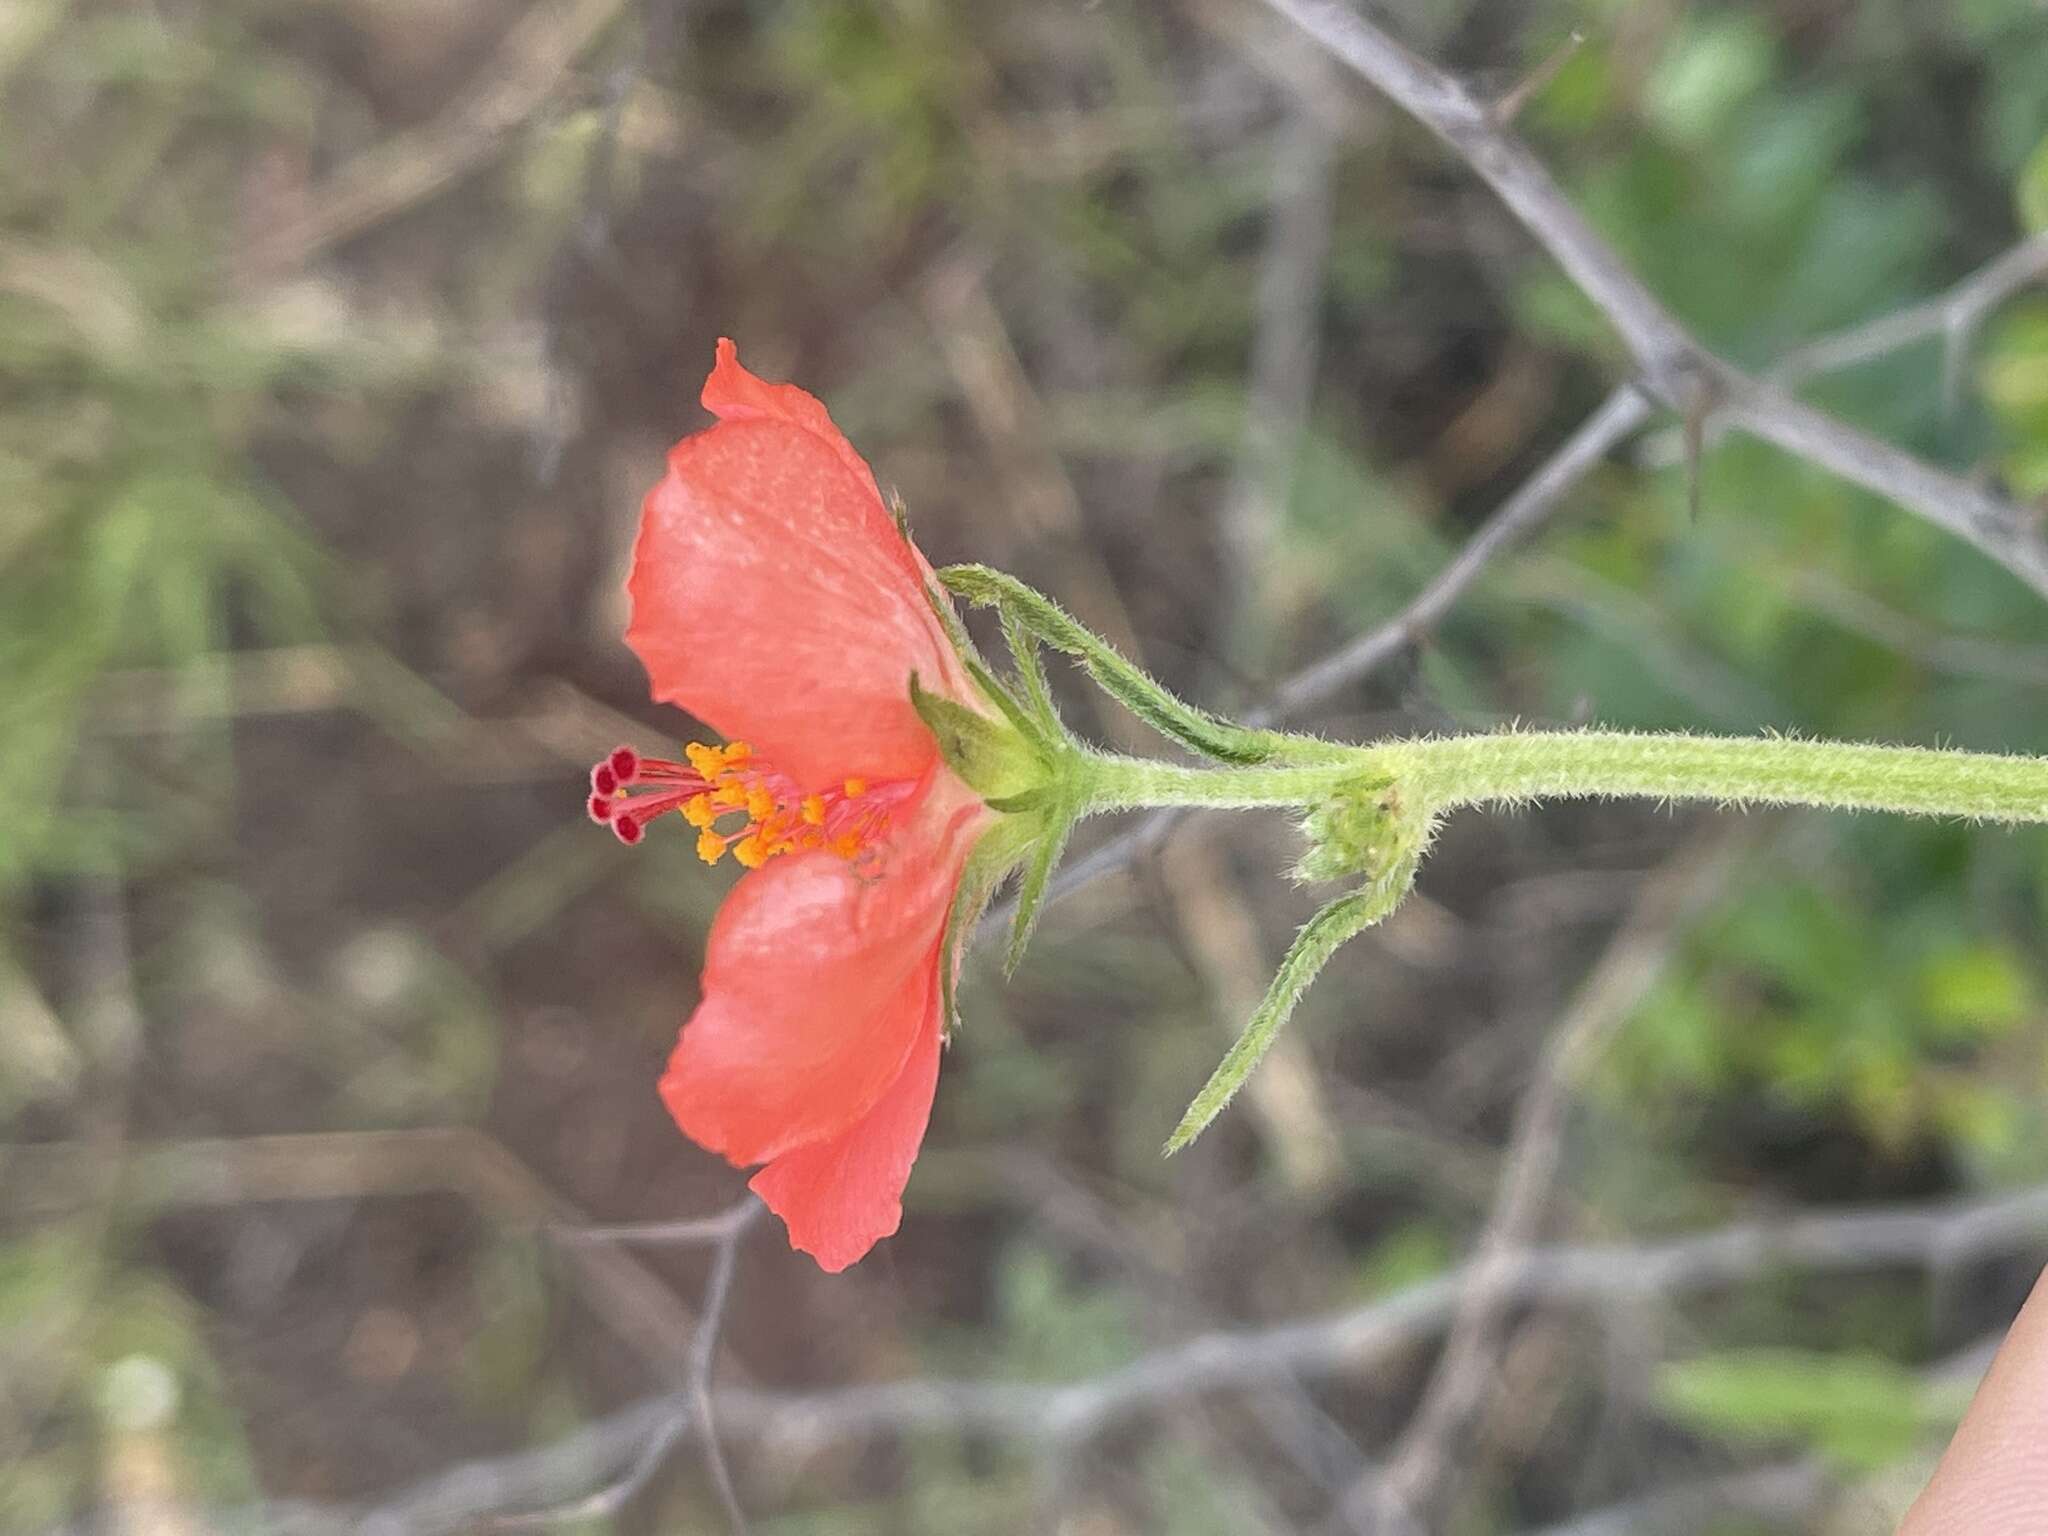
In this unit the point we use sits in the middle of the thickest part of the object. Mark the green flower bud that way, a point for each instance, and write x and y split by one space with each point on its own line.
1363 828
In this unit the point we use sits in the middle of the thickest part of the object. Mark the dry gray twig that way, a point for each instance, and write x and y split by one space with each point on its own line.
1673 367
50 1177
693 1407
1609 995
1953 317
1783 1493
2003 661
1286 345
530 65
1343 1343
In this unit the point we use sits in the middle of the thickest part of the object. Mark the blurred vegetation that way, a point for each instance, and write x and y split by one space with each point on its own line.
315 476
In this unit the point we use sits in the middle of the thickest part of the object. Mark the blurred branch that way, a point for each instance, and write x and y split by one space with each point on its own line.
1783 1494
1299 1426
2005 661
1344 1343
349 1165
1285 348
1632 964
1954 317
1672 366
1962 306
695 1409
1039 493
528 68
556 726
716 1230
1620 414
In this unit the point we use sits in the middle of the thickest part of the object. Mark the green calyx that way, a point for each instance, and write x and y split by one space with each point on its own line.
1020 759
1025 775
1012 749
1030 618
989 755
996 856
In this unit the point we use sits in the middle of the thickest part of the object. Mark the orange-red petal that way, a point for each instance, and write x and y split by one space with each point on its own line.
841 1196
815 986
774 598
732 393
812 995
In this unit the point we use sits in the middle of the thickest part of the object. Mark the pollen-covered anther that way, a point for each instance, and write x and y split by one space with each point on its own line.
627 791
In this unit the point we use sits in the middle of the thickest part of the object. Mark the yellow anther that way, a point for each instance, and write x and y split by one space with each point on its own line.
855 788
697 811
708 761
846 846
760 804
737 752
710 846
752 850
729 797
814 810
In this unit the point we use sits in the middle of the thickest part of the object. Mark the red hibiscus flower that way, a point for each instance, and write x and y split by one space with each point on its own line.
776 599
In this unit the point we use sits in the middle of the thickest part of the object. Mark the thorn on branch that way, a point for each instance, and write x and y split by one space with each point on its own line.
1509 106
1698 395
1957 335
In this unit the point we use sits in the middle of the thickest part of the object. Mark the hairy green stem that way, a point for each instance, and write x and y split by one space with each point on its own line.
1110 783
1371 812
1509 767
1515 766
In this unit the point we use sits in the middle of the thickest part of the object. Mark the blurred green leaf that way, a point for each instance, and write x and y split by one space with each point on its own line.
2033 191
2014 372
1714 65
1973 991
1860 1411
504 1352
1053 1325
1409 1256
